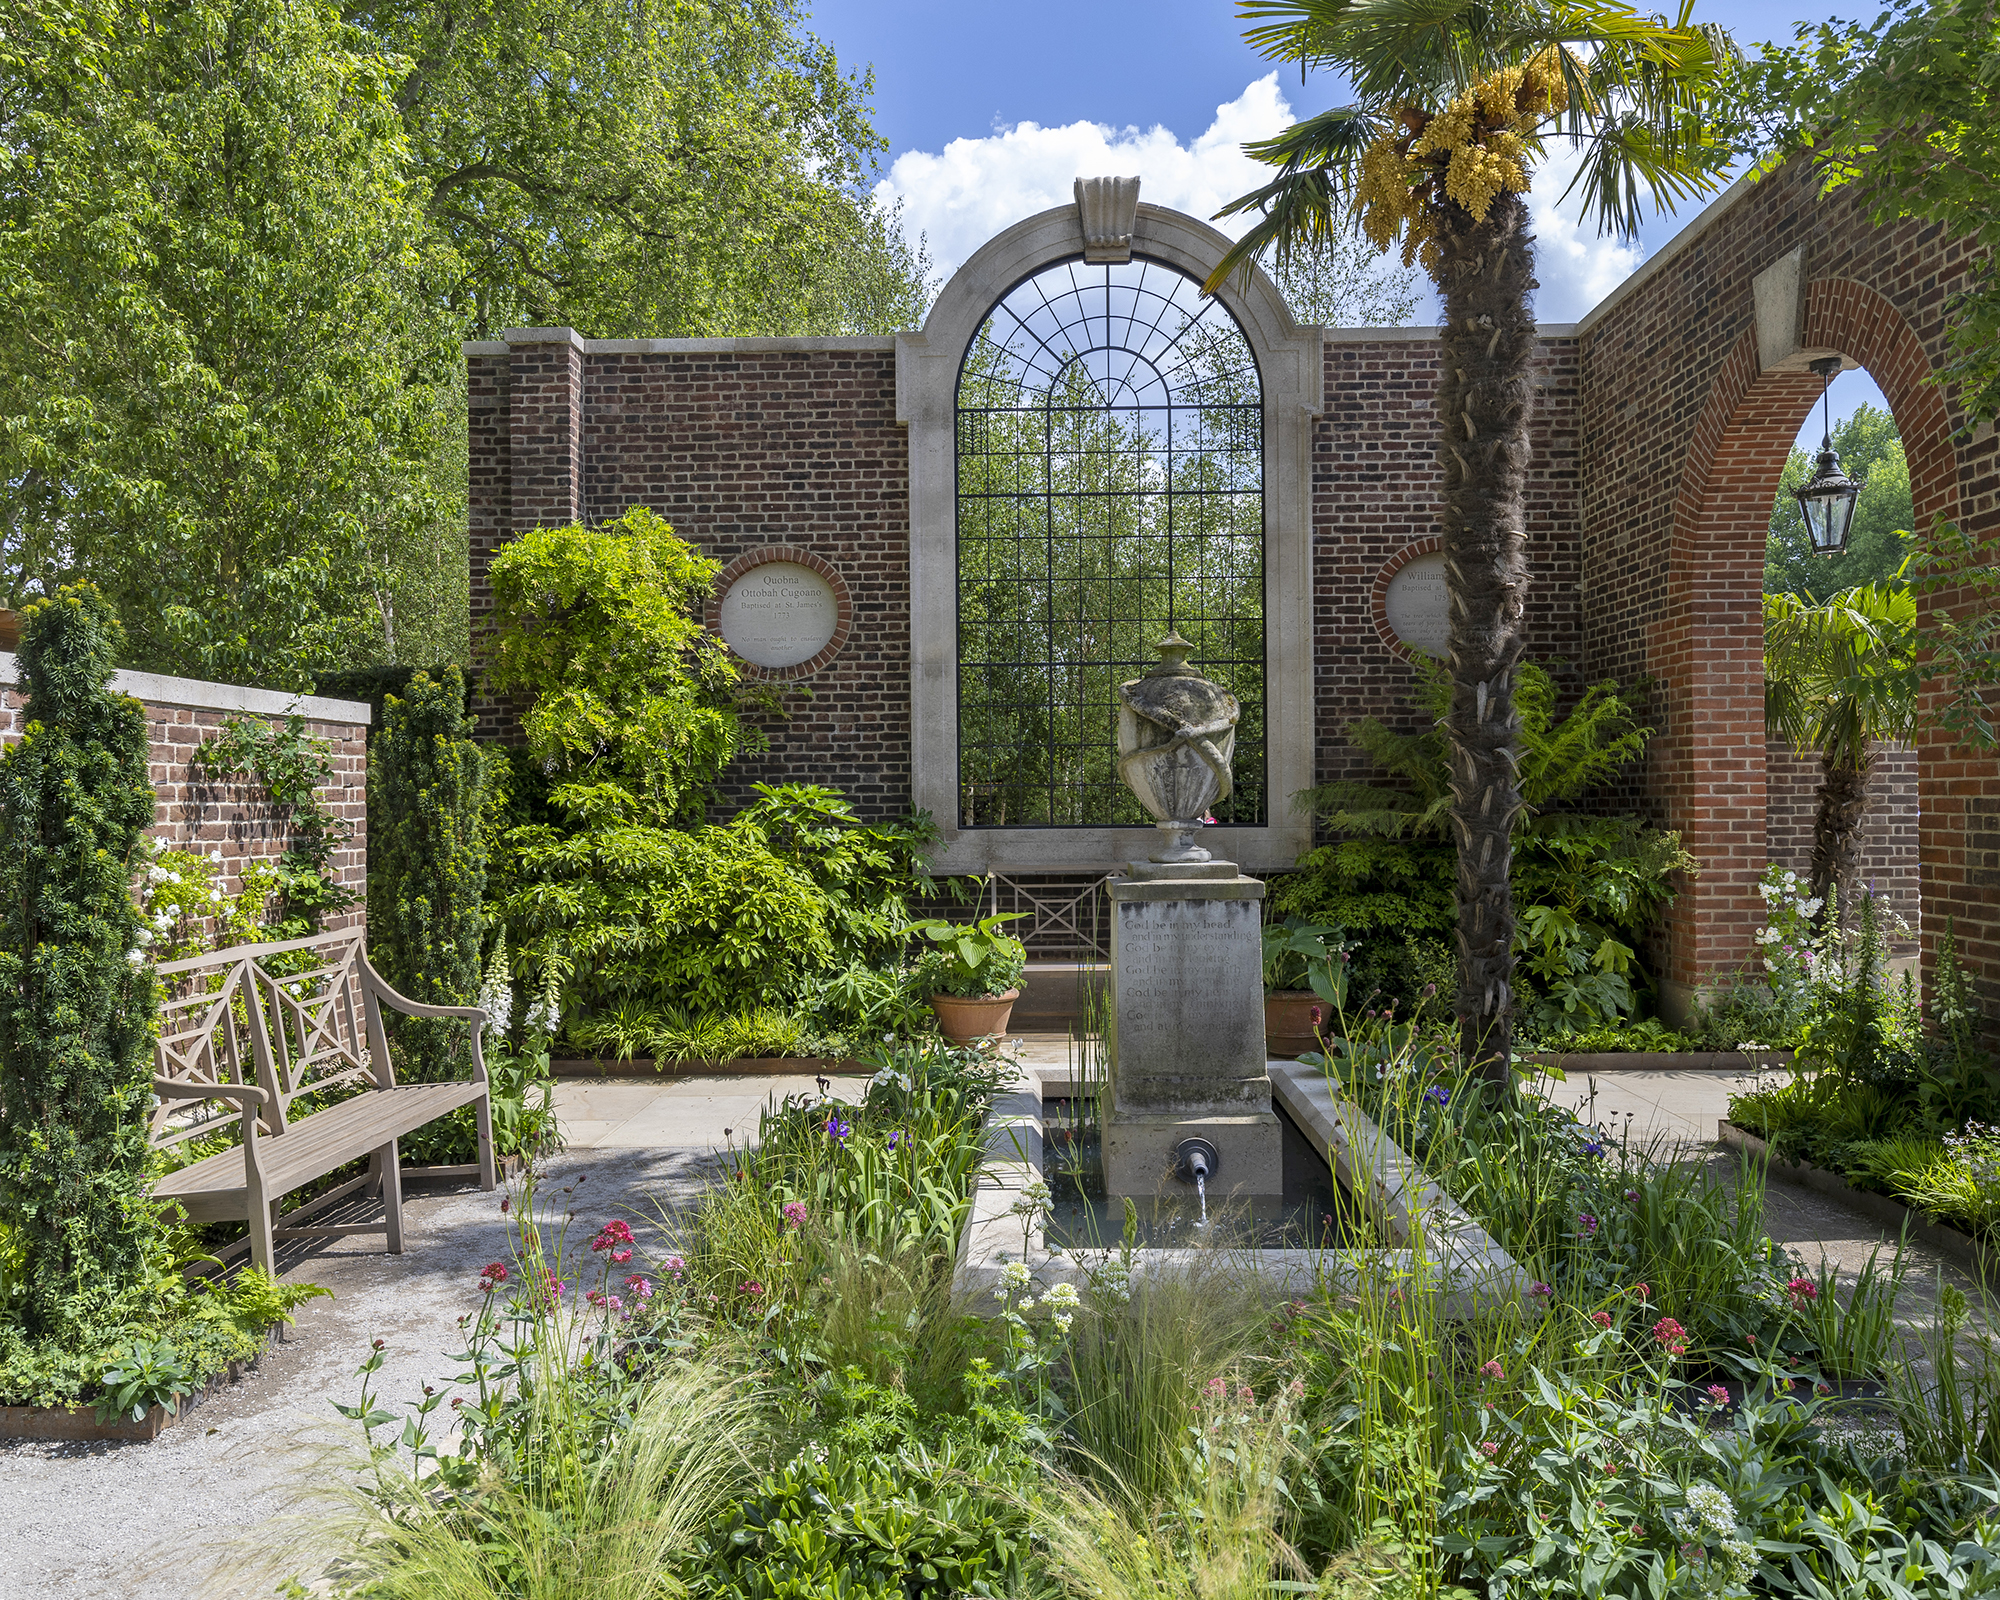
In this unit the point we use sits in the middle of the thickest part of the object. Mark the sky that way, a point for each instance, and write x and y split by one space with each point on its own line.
991 111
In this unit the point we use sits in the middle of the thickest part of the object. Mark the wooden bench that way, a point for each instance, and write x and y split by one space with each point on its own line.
239 1044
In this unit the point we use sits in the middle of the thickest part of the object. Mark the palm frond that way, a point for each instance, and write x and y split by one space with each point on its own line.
1841 675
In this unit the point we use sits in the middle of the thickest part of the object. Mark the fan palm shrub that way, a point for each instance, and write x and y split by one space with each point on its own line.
1455 101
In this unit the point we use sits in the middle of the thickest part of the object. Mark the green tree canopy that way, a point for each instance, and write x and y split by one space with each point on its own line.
1878 540
241 239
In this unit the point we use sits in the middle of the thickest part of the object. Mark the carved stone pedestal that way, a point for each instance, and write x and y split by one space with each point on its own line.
1187 1036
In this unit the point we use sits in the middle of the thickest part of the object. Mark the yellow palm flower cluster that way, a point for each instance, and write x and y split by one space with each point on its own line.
1473 150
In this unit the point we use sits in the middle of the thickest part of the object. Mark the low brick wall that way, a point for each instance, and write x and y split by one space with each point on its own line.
194 810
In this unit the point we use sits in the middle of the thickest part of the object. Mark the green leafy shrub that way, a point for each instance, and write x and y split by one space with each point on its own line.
76 1020
972 959
630 694
427 865
1586 888
1293 948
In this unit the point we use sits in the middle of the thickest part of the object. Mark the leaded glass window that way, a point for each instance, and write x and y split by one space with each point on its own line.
1110 451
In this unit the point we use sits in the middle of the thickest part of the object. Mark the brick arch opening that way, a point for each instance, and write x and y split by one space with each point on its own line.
1709 759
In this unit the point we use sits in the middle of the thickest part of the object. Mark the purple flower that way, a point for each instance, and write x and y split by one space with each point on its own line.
1541 1291
1593 1147
837 1127
794 1212
895 1137
1586 1224
1438 1095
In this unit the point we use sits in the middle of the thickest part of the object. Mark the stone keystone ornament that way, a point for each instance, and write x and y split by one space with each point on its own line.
1176 734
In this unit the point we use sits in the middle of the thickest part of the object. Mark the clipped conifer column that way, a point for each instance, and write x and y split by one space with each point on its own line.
77 995
427 862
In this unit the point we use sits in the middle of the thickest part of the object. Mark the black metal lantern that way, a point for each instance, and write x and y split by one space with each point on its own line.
1826 501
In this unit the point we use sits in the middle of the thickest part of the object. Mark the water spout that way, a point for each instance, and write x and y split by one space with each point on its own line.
1195 1161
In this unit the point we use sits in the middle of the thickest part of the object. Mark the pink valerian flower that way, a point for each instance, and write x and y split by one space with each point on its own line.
611 1236
1245 1395
1717 1394
673 1266
1493 1371
794 1212
1489 1449
1671 1336
552 1289
639 1287
1601 1318
1643 1290
1296 1389
1541 1291
1216 1389
1586 1224
491 1276
1803 1291
752 1288
608 1302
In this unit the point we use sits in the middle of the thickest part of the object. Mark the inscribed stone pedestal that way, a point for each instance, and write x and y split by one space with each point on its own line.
1187 1034
779 614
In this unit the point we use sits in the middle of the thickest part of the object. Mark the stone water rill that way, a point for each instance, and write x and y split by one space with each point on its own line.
1190 1089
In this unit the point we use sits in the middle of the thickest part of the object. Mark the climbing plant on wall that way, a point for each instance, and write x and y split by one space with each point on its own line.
427 868
293 766
76 993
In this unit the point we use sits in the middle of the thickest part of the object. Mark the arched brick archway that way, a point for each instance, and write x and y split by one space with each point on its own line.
1708 641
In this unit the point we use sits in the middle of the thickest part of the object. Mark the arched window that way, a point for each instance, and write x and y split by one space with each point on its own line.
1109 450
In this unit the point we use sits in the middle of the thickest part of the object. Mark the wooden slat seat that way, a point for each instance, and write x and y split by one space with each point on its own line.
239 1044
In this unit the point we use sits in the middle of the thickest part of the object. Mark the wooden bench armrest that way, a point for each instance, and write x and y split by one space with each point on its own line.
378 986
181 1089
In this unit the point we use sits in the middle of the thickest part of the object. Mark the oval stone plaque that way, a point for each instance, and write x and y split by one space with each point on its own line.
779 614
1419 610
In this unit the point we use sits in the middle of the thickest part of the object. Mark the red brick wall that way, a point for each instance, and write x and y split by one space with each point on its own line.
1889 864
1374 493
740 445
193 811
1685 439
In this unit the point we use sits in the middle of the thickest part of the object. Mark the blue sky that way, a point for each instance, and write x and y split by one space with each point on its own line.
991 110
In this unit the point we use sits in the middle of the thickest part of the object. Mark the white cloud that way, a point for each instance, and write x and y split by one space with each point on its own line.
977 187
1575 267
963 196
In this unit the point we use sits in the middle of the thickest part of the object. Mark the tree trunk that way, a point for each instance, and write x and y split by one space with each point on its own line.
1486 276
1836 848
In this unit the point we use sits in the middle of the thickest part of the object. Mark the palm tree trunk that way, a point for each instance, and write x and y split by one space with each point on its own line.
1485 273
1836 848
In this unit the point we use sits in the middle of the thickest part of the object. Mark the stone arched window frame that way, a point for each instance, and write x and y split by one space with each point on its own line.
1289 363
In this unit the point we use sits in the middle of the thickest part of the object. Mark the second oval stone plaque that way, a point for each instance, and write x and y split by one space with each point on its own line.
779 614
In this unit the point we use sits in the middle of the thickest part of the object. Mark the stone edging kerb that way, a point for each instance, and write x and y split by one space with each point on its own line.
156 688
1473 1269
1980 1259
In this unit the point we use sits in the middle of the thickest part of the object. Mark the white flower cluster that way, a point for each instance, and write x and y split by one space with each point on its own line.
890 1078
1032 1202
1062 1302
1113 1280
543 1015
496 990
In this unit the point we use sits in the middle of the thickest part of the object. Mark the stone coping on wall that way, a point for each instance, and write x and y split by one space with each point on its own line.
1472 1269
156 688
863 344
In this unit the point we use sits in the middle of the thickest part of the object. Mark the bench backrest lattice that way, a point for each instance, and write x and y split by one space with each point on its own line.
310 1026
1064 917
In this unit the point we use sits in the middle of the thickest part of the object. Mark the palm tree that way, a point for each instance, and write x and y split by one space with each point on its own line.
1838 678
1455 100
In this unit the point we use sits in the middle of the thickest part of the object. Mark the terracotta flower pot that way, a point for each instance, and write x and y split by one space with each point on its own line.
963 1018
1289 1020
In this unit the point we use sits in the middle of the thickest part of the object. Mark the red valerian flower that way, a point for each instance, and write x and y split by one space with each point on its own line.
611 1235
1601 1318
753 1288
1671 1335
491 1276
1493 1371
1718 1394
1489 1449
1803 1291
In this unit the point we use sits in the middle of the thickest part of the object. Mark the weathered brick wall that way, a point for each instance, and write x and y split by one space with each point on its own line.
740 444
195 811
1888 830
1684 437
1375 493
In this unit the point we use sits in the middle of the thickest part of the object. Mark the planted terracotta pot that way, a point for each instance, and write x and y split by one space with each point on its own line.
963 1018
1290 1018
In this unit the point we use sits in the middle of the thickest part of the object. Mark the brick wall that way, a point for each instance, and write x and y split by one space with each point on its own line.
1374 494
1684 436
194 811
740 444
1888 830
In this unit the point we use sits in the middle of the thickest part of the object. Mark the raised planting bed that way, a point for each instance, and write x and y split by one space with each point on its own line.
79 1424
1400 1203
1603 1061
745 1066
1980 1258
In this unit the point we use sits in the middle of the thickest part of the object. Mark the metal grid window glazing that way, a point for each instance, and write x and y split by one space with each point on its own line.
1110 453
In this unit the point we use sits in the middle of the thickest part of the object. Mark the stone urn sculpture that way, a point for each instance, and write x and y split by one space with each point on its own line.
1176 735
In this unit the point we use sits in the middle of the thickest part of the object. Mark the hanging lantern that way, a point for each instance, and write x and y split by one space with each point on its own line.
1827 499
